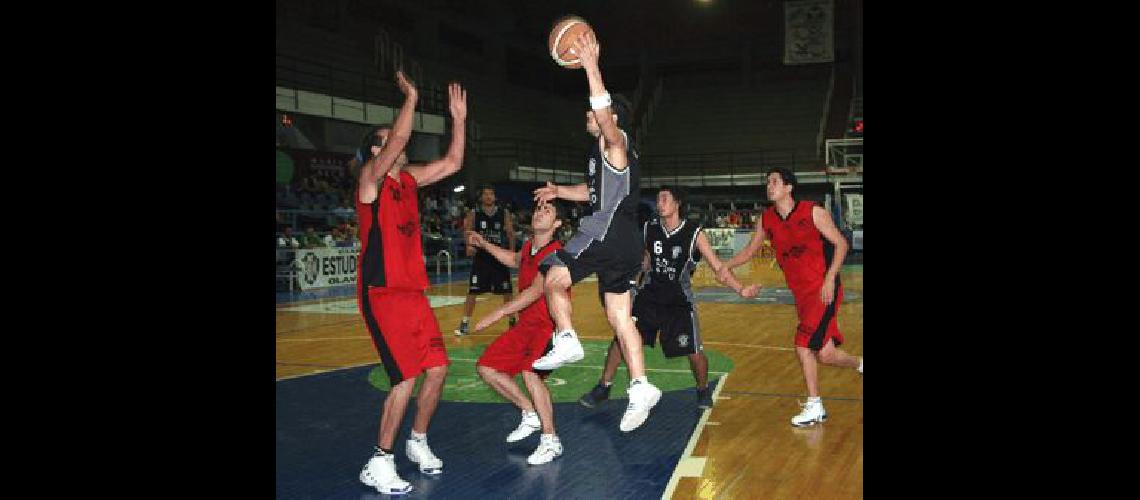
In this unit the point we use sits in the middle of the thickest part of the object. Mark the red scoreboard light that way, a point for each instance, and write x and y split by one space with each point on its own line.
859 126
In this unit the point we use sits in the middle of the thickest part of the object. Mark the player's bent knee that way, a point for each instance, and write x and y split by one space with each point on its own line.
826 356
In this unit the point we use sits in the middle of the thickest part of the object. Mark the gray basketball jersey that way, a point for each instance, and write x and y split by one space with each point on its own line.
613 194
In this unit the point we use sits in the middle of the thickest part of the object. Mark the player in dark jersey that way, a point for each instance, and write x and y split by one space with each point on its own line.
665 301
392 278
514 351
608 241
487 274
810 251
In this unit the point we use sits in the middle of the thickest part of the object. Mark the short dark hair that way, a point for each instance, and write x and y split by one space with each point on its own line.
623 108
370 140
786 175
678 193
485 187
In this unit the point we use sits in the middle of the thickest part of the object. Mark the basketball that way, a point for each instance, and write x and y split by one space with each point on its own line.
562 36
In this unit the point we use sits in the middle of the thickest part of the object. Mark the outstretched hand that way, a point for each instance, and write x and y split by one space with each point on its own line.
488 320
457 101
587 49
406 86
750 291
546 194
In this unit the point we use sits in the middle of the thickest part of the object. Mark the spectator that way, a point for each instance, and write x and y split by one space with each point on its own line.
310 239
330 239
287 240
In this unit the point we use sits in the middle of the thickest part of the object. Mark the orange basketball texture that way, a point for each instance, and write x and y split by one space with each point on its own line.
562 36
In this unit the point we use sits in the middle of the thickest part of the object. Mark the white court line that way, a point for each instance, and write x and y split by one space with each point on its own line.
686 456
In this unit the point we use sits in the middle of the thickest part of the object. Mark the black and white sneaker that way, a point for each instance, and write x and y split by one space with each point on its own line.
595 397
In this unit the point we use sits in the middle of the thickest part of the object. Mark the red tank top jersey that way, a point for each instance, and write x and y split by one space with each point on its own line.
801 249
391 253
528 269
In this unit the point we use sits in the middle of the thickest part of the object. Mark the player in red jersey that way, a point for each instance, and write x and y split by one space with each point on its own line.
392 278
516 350
810 251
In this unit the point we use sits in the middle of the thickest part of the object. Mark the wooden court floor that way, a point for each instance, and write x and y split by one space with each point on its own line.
750 449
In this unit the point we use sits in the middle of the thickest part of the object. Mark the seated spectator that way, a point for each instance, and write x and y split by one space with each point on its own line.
330 239
287 240
311 239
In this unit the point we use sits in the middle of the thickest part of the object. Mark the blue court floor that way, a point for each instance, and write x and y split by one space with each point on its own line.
327 424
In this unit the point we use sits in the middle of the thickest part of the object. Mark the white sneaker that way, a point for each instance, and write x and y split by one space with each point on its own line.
380 473
812 412
549 448
420 453
642 397
527 426
860 369
567 349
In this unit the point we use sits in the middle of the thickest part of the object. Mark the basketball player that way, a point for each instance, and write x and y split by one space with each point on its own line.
487 273
514 351
392 279
608 241
665 301
810 251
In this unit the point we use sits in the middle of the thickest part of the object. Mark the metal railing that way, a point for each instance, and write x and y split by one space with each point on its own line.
446 254
539 162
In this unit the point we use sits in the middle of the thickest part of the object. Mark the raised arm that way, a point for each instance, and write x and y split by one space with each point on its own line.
528 296
453 160
383 157
507 257
573 192
726 277
588 51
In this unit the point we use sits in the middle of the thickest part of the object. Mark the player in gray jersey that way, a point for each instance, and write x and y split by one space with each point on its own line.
665 302
608 241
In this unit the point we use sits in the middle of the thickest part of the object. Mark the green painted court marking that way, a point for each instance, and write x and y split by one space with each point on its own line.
570 382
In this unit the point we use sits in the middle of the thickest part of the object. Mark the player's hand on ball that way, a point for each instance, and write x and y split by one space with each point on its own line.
406 85
587 49
827 293
488 320
547 193
750 291
457 101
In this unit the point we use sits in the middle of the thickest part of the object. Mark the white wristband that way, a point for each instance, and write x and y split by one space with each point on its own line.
601 101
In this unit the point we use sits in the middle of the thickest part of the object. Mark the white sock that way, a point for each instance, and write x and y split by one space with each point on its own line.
550 437
607 384
814 400
466 319
639 380
419 437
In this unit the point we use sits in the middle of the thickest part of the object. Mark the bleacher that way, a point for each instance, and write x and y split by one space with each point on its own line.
776 114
